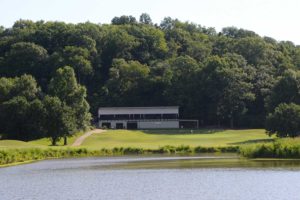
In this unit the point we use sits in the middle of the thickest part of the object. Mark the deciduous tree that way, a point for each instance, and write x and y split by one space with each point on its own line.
64 86
284 121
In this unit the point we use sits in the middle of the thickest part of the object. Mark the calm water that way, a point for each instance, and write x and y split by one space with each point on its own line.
204 178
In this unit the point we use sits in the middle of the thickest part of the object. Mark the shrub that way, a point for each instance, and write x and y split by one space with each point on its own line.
284 121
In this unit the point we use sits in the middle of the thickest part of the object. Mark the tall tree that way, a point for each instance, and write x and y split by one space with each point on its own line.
78 58
14 118
59 119
285 90
284 121
123 20
228 87
145 19
21 111
184 85
64 86
125 81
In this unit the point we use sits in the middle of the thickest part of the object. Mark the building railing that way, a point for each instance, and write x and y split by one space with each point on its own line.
137 120
138 117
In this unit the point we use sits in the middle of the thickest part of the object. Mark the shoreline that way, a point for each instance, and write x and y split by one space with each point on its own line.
14 157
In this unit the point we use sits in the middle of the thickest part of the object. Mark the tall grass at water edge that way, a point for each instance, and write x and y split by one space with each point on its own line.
281 148
10 156
288 148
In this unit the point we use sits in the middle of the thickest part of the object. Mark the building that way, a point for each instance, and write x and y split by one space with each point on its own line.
139 117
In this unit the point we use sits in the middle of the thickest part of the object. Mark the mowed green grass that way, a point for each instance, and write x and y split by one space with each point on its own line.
7 144
41 143
153 139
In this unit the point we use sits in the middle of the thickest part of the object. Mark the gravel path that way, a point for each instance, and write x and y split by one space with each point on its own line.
80 140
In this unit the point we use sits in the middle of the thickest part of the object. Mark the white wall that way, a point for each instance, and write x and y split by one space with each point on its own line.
158 124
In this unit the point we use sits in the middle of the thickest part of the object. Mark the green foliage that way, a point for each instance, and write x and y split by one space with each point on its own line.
285 90
23 155
125 78
284 121
279 149
234 32
25 57
150 43
123 20
229 78
26 113
20 109
168 149
12 156
59 119
182 88
64 86
145 19
78 58
229 86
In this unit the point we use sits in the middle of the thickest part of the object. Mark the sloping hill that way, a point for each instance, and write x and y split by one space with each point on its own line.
152 139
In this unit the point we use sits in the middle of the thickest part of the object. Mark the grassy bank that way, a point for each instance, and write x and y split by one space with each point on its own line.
280 148
251 143
10 156
19 156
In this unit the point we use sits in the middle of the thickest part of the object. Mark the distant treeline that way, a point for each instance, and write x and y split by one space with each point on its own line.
231 78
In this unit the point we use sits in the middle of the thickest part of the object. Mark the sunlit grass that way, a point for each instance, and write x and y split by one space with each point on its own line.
47 142
152 139
7 144
41 143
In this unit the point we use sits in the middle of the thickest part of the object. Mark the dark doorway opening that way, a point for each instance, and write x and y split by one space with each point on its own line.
188 124
106 125
119 126
131 125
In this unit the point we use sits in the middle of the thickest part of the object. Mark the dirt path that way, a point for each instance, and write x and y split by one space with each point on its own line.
80 140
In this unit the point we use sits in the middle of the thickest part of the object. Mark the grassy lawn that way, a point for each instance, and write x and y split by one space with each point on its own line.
47 142
41 143
8 144
152 139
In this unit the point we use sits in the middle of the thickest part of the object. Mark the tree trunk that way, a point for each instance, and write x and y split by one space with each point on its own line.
65 140
53 141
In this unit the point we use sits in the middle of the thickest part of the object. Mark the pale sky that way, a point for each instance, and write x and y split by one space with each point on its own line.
275 18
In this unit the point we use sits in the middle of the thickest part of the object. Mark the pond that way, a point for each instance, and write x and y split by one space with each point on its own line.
195 177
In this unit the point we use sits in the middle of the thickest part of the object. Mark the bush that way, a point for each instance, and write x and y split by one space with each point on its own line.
200 149
285 121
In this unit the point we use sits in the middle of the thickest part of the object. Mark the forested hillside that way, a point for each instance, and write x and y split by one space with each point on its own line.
232 78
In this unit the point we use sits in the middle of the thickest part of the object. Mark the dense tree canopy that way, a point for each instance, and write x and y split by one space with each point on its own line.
26 113
231 78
